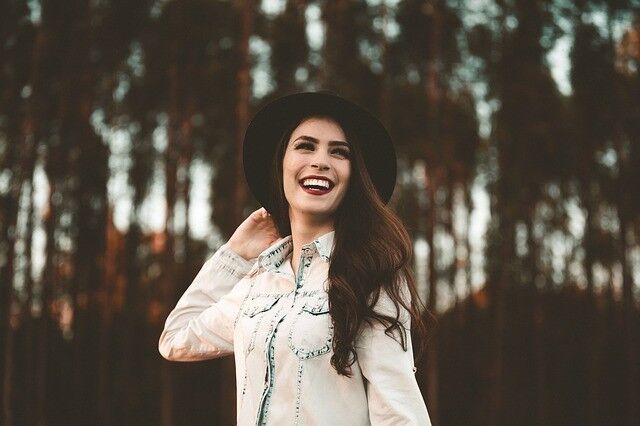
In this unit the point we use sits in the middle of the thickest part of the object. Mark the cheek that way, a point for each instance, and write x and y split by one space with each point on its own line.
346 179
290 161
289 171
345 173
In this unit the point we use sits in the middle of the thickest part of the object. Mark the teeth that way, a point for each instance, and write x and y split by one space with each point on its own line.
315 182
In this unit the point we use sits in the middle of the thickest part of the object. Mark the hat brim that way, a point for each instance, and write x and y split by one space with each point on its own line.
269 124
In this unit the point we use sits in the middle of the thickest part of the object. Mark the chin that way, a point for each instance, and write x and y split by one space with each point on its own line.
319 211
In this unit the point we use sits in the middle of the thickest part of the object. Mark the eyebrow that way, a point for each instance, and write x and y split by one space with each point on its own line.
314 140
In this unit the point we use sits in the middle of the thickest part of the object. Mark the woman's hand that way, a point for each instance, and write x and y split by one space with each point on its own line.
254 235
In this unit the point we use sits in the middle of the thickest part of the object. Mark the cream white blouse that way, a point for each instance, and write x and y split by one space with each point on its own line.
278 328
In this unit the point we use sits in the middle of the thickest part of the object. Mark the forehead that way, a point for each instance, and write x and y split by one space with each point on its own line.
319 127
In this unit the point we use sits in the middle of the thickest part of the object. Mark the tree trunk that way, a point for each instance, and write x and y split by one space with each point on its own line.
432 90
111 275
168 275
593 347
629 323
538 317
31 317
8 304
467 243
432 350
48 280
499 288
25 160
245 15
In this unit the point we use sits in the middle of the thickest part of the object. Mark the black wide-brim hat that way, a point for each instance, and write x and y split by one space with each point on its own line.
269 124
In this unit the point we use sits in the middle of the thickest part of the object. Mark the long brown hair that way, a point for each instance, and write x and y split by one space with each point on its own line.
372 252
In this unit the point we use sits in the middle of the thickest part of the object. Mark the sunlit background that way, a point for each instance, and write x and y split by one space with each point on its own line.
517 128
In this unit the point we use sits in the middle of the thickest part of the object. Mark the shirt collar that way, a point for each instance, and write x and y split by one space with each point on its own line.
272 257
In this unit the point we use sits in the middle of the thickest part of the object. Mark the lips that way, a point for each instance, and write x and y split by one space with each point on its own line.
314 191
331 184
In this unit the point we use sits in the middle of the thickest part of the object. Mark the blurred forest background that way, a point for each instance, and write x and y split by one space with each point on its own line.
517 125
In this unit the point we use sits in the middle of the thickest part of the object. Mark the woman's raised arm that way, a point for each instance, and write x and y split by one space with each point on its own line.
201 324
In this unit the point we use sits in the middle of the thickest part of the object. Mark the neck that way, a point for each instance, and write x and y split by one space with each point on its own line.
305 228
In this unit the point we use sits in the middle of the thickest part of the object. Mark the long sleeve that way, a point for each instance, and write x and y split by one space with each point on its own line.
201 324
393 394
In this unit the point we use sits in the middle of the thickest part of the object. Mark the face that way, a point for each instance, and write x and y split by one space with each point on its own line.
317 147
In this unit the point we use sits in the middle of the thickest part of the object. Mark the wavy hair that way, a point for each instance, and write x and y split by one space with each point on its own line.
372 253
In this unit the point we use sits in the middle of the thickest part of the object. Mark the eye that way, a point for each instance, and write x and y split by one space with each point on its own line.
304 145
345 153
308 145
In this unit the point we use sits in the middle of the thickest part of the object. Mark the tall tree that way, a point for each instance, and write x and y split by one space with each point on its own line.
17 41
348 34
432 124
286 34
529 136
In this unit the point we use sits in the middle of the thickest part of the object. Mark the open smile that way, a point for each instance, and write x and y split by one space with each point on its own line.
315 190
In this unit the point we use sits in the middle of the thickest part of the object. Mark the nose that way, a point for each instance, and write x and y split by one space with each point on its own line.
320 166
320 163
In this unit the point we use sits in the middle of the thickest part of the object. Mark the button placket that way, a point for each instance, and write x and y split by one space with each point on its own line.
305 262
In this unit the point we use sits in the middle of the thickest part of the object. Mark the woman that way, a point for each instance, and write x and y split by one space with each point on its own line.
318 320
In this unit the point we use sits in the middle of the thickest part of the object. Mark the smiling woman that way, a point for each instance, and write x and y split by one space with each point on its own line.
313 294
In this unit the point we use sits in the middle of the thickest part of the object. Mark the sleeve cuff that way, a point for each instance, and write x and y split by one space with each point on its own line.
232 262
